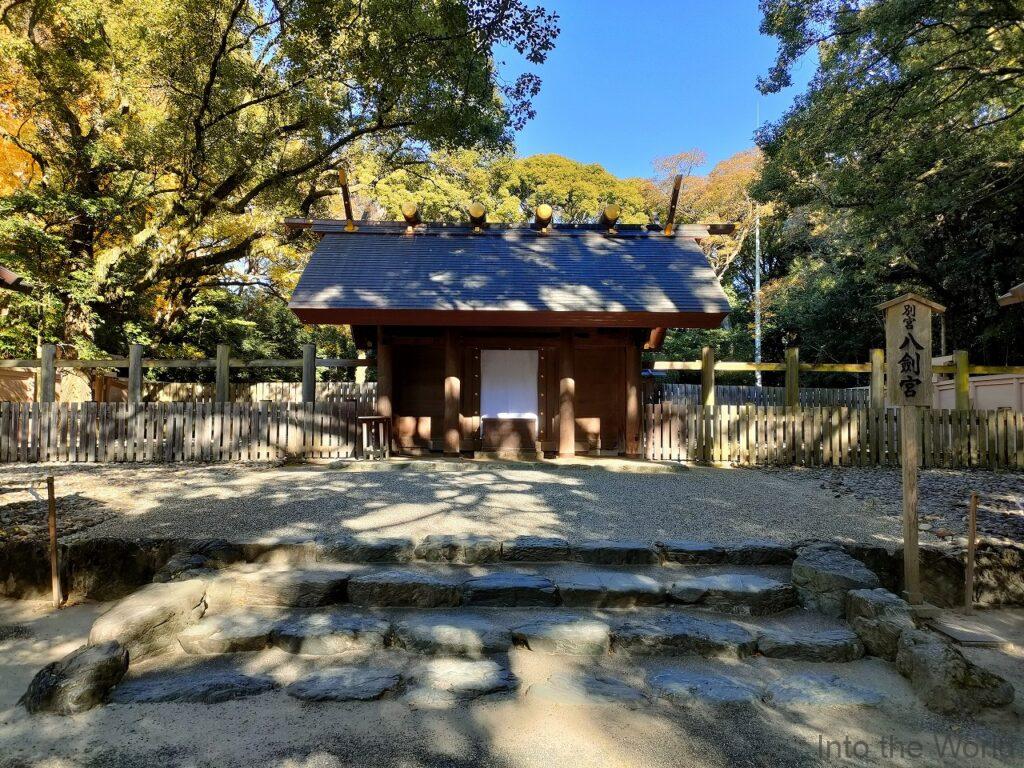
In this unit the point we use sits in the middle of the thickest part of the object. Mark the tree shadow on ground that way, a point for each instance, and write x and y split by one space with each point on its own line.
702 503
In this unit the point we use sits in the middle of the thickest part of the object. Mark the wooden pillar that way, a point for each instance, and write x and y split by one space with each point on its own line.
634 423
222 390
707 376
135 373
910 451
567 396
962 380
878 379
793 377
360 371
452 396
972 546
308 373
48 374
384 373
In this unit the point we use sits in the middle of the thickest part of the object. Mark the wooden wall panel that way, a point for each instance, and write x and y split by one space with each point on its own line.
600 397
418 394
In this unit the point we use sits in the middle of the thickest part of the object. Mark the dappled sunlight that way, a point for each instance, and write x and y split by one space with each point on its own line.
395 516
578 501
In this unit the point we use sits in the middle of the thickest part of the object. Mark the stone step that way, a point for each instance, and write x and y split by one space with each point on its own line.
474 549
442 682
756 591
734 593
477 633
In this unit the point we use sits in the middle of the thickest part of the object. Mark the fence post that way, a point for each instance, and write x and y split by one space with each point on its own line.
878 379
51 500
135 373
308 373
793 377
48 374
707 395
707 376
962 380
221 390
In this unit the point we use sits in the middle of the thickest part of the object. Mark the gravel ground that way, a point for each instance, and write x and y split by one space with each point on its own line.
577 502
944 497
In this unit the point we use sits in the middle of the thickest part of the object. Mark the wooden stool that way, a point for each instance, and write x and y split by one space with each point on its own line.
376 431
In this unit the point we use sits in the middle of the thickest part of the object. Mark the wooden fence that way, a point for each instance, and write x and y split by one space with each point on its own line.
831 436
728 394
277 391
166 432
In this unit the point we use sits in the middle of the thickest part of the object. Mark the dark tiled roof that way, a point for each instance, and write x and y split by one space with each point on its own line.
509 269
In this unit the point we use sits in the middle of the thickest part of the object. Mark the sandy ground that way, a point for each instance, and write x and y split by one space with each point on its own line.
520 731
577 502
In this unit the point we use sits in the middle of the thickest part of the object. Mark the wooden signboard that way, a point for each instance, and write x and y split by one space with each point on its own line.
908 349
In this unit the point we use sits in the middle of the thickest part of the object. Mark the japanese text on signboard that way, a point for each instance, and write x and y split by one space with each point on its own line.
909 361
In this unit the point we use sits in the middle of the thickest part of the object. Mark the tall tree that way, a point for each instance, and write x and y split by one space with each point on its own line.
168 137
907 143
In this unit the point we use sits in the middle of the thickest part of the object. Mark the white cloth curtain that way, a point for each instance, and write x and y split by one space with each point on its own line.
508 384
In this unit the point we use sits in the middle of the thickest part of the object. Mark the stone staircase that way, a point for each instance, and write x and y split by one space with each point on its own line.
440 620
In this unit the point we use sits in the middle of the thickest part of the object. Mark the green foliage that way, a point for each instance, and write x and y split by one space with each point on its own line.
902 167
166 140
577 191
510 188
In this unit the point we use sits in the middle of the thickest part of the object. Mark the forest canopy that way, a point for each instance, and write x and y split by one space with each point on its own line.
150 151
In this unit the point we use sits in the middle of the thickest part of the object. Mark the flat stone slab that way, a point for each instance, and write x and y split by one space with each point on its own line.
78 682
683 635
813 690
594 588
228 633
739 593
836 645
345 684
570 636
704 689
186 565
690 552
535 549
328 633
824 574
509 589
191 685
758 552
459 548
148 621
442 680
406 587
454 633
616 553
565 689
281 550
361 548
282 587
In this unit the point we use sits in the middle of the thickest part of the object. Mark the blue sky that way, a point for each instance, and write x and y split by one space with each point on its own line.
632 80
